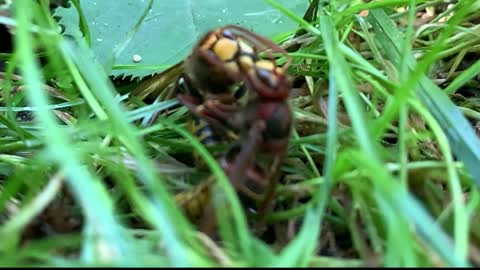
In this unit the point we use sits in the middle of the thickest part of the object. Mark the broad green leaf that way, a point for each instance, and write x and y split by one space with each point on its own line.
170 29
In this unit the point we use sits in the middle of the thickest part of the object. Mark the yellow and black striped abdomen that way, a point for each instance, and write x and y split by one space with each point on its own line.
205 134
203 131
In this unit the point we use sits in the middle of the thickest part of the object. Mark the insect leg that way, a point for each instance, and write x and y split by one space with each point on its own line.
246 155
237 175
265 205
200 111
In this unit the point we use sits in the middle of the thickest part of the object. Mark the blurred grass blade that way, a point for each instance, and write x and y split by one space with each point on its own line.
87 189
344 81
300 251
464 143
307 26
83 25
22 133
397 196
466 75
355 9
386 184
36 206
240 229
172 225
148 110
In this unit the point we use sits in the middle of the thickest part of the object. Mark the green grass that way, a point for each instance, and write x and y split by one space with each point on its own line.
382 167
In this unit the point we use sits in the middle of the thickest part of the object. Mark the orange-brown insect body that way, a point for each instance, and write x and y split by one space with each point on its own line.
223 59
214 65
225 64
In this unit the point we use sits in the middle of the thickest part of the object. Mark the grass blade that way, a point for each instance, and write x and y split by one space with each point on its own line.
464 143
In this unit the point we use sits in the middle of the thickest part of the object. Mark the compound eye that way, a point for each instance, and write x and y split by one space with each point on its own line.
267 77
228 34
266 73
